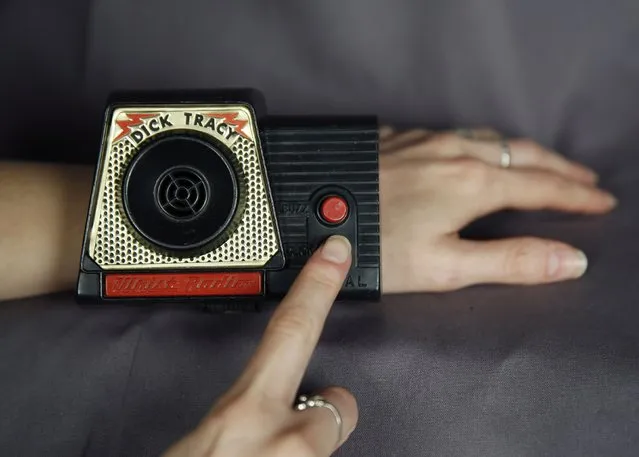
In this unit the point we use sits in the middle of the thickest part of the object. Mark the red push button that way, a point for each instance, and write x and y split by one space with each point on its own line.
334 209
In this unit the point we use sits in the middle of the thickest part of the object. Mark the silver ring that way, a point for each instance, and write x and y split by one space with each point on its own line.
506 155
317 401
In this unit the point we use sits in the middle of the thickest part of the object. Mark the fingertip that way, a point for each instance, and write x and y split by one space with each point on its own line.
605 202
567 263
581 174
347 399
336 249
523 261
346 404
582 263
326 270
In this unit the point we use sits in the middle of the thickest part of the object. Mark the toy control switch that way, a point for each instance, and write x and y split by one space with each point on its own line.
334 210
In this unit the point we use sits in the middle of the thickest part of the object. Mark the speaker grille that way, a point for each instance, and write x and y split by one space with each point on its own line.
113 245
181 193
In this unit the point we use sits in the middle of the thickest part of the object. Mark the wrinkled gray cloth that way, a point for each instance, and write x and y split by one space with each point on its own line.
490 371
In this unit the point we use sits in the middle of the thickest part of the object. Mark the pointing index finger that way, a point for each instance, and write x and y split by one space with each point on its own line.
291 336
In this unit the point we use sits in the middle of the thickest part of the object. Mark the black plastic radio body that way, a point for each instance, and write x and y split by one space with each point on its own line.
200 197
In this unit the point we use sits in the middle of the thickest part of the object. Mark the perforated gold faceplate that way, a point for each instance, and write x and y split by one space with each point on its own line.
114 245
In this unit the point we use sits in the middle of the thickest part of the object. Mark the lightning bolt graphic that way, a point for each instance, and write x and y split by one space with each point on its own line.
133 121
232 120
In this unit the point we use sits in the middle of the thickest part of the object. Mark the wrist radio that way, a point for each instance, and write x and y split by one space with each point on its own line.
202 197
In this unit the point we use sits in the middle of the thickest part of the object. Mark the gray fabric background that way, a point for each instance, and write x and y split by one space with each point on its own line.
491 371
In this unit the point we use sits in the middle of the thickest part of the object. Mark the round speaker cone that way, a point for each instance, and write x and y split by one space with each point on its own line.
181 193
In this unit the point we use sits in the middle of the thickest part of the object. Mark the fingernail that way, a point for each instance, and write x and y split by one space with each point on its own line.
567 263
336 249
612 200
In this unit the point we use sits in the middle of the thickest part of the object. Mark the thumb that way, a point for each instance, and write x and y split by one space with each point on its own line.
524 260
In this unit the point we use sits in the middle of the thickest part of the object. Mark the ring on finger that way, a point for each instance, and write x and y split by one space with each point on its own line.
506 155
317 401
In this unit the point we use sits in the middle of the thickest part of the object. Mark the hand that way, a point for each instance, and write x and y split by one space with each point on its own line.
432 185
255 417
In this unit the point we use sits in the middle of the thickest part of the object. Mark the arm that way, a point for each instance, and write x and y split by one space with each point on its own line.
43 210
431 186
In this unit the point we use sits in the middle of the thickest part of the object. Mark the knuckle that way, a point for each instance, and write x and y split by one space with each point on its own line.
532 150
536 157
486 133
526 260
445 140
442 273
385 130
415 132
233 412
446 137
322 275
526 143
470 175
